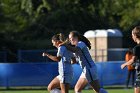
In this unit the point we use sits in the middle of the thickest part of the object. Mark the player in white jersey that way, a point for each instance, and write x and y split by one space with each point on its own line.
89 70
64 66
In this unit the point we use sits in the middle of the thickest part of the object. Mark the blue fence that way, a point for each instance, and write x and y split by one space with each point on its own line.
41 74
115 54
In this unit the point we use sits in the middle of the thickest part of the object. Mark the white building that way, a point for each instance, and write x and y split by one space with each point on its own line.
101 40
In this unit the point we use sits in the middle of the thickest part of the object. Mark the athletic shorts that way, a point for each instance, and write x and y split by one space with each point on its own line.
66 79
82 75
90 74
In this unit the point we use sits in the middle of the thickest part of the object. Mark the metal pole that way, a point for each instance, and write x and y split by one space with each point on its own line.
95 48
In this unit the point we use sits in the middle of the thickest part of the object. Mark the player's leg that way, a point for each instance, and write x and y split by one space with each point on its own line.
55 83
95 85
64 87
81 83
137 90
92 77
65 82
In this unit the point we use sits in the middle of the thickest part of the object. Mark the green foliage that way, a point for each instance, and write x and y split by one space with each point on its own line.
27 6
27 21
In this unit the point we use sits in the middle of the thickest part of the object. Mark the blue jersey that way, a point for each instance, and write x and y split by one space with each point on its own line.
64 66
85 59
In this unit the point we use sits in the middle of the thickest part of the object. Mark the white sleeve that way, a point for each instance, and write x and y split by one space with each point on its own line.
61 50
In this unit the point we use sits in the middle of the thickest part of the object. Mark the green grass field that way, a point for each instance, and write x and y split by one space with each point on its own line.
71 91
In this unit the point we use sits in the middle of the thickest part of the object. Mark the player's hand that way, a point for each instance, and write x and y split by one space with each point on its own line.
45 54
123 66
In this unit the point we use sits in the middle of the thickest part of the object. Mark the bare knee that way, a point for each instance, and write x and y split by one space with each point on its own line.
137 90
49 88
77 89
80 85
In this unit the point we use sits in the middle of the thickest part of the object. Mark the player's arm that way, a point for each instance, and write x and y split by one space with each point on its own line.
73 48
54 58
73 60
132 60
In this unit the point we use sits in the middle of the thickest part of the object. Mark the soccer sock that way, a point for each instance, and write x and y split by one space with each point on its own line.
55 91
77 92
102 90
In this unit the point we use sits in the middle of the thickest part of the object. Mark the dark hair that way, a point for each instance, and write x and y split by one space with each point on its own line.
136 31
59 37
81 38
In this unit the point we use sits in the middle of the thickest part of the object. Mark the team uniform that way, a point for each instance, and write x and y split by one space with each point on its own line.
64 66
89 69
136 52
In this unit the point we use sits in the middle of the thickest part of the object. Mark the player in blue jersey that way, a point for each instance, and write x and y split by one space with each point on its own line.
64 66
89 70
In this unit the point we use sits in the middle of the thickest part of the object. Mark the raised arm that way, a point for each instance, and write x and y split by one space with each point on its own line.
54 58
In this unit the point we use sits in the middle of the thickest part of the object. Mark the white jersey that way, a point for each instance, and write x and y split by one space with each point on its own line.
64 66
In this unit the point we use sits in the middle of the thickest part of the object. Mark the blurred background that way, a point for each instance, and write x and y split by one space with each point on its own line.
29 24
26 28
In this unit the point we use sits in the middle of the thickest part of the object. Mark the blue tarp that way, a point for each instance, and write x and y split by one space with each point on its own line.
41 74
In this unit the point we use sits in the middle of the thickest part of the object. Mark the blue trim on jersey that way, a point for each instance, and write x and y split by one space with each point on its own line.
86 59
90 75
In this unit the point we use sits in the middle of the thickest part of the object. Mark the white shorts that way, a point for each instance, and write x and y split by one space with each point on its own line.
90 74
82 75
66 79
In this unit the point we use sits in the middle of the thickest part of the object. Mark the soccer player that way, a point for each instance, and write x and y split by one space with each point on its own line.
64 65
136 57
89 70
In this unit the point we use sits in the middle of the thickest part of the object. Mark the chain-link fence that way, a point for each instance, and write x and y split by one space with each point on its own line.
102 55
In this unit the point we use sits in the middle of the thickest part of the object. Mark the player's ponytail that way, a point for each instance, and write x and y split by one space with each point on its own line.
81 38
59 37
85 40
